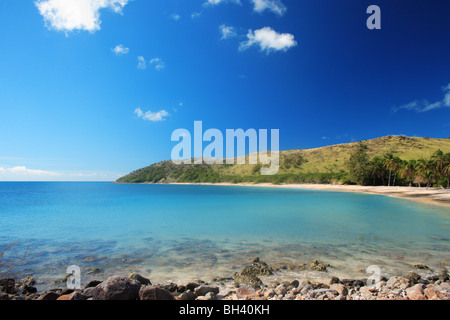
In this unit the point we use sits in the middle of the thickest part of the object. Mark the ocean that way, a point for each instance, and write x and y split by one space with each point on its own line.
176 233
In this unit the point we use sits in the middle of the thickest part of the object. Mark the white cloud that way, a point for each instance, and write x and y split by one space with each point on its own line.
227 32
216 2
142 64
195 15
276 6
69 15
424 106
120 50
175 17
152 116
83 175
269 40
24 171
158 63
447 96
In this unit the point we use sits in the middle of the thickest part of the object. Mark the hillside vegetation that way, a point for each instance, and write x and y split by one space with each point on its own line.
328 164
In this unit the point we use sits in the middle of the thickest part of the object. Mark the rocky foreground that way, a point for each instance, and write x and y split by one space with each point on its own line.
243 285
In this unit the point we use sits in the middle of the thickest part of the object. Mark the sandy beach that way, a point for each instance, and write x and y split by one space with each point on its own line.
436 196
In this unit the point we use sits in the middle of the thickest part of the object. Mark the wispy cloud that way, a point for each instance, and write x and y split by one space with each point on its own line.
227 32
70 15
158 63
152 116
424 105
269 40
195 15
276 6
217 2
175 17
83 175
120 50
142 64
24 171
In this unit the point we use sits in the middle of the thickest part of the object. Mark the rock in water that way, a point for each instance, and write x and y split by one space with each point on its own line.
117 288
93 284
8 286
317 266
257 269
420 266
249 274
153 293
141 279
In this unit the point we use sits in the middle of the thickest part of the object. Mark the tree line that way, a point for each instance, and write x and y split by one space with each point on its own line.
390 170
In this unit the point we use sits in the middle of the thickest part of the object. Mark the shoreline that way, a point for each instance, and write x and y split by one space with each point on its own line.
250 283
437 196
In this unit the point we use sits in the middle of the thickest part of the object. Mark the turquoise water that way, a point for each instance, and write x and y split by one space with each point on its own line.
178 232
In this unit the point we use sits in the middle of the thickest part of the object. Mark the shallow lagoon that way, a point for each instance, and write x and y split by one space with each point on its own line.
181 232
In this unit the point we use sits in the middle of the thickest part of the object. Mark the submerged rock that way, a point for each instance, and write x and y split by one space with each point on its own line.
249 274
258 268
8 285
279 267
317 266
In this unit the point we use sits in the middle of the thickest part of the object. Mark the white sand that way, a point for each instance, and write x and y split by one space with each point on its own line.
431 195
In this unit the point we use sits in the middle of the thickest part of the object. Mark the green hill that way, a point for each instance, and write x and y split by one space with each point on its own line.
320 165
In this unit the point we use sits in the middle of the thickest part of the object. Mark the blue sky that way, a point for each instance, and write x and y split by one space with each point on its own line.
93 89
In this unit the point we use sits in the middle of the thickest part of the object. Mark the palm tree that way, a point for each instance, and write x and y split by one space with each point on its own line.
377 169
392 163
425 168
409 171
439 160
446 168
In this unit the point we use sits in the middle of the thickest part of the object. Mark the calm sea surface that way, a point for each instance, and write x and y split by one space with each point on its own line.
177 233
